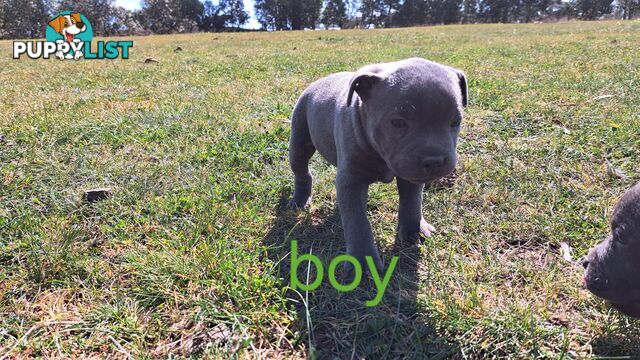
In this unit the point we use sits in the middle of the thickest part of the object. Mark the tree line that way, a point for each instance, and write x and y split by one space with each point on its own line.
300 14
28 18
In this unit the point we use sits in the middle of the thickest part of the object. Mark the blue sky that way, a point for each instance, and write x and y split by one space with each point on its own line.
248 5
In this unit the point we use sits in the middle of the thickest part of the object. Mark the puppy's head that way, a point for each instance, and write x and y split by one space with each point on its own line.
68 25
612 268
412 110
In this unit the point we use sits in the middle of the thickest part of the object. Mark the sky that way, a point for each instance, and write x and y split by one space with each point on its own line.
248 6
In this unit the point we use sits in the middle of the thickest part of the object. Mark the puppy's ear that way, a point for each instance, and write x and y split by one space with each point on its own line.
462 82
76 17
362 83
57 24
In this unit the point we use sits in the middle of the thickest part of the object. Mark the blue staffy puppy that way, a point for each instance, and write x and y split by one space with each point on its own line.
398 119
612 268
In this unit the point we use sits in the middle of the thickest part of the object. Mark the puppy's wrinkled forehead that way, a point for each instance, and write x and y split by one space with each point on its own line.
425 85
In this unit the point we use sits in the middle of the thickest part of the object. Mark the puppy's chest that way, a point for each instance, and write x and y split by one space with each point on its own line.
381 173
386 176
370 170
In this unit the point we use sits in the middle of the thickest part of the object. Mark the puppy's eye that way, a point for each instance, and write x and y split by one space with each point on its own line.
398 123
66 23
456 123
619 236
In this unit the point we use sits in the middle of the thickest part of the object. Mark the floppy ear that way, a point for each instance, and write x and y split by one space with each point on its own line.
362 84
76 17
57 24
462 82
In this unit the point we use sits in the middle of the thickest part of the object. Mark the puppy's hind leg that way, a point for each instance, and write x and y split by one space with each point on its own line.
300 151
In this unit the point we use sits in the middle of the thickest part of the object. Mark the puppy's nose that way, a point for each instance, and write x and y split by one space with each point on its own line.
80 24
433 161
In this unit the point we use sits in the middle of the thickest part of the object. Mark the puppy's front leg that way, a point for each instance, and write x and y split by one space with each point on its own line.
410 221
352 199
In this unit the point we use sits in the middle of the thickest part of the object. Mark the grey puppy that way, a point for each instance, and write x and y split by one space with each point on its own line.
612 268
398 119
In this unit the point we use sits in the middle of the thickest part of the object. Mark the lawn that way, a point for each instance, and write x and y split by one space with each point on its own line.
190 254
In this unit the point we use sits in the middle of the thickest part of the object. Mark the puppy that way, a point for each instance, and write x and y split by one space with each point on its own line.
612 268
68 26
393 120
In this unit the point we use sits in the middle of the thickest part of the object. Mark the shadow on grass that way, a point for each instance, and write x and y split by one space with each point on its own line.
623 343
338 324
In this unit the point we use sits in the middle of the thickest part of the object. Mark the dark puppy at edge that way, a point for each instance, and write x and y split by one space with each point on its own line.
612 268
398 119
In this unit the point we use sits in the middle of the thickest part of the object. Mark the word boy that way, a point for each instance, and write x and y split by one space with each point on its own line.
381 284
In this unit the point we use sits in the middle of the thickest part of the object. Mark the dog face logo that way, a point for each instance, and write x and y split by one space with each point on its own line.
71 31
68 26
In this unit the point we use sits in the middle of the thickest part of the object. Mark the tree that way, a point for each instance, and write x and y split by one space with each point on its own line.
122 22
302 13
170 16
272 14
352 7
412 12
105 18
23 18
592 9
236 16
628 8
372 12
334 13
3 34
288 14
469 11
310 13
212 18
189 12
389 12
529 10
444 11
2 27
495 11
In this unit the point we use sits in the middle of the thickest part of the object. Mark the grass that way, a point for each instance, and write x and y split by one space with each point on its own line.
190 255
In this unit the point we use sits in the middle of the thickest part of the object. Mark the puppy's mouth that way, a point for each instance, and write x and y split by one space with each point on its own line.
428 179
629 308
69 37
420 181
597 284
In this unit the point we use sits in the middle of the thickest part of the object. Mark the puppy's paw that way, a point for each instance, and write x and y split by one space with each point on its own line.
426 229
361 256
297 205
413 234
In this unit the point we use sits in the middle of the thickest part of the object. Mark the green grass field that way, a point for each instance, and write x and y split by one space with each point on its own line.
190 255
